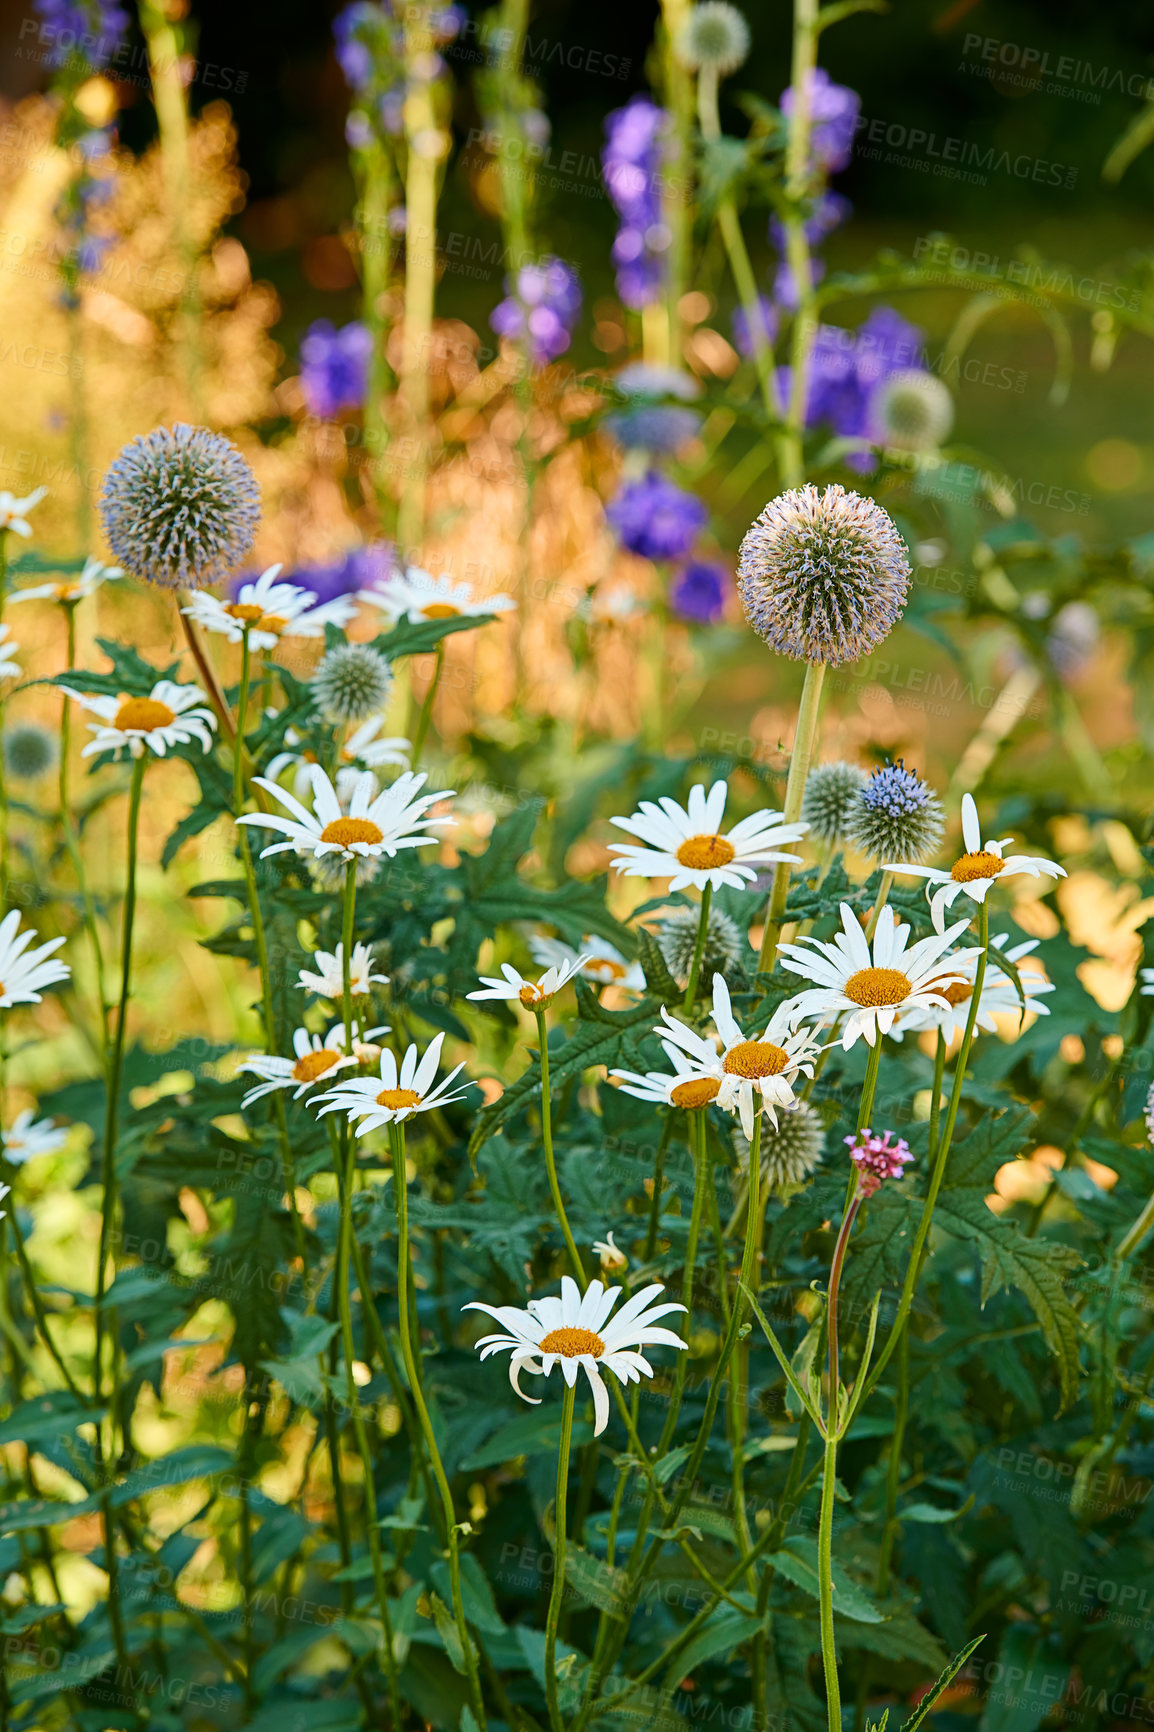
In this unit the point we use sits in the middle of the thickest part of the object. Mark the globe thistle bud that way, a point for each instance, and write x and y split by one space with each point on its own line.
911 410
897 817
823 576
830 800
352 681
180 507
790 1153
714 38
29 752
725 943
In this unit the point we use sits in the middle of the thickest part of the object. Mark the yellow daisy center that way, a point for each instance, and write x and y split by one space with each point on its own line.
873 987
246 611
755 1058
570 1343
141 715
971 866
345 831
532 997
697 1092
958 992
440 610
605 965
273 622
702 853
398 1098
315 1064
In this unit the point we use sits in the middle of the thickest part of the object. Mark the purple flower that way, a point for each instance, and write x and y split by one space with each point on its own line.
876 1158
654 518
698 592
654 427
830 210
357 569
335 367
739 325
92 32
546 300
350 28
631 163
833 120
846 367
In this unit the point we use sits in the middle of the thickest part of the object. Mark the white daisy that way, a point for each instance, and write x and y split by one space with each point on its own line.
767 1064
317 1060
362 750
685 844
576 1333
171 715
9 668
415 595
998 994
874 988
70 590
974 872
376 823
24 972
398 1092
27 1136
4 1189
14 512
598 961
613 1258
1146 976
611 604
329 982
270 610
534 995
690 1084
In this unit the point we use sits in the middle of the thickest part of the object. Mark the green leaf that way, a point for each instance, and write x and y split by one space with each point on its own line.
797 1561
447 1630
533 1433
476 1594
940 1685
417 637
47 1416
594 1582
722 1633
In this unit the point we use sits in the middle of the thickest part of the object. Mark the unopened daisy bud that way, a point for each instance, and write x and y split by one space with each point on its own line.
725 943
876 1158
830 800
351 682
897 817
714 38
790 1152
613 1259
823 576
911 410
180 507
29 752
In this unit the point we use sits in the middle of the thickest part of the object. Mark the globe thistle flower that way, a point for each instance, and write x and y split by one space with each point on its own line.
352 681
29 752
790 1152
898 817
714 38
180 506
876 1158
911 410
830 800
823 576
725 943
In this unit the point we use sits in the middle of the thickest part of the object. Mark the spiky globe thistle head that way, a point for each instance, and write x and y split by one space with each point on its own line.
714 38
911 410
830 799
352 681
897 816
180 507
29 752
790 1153
823 576
725 943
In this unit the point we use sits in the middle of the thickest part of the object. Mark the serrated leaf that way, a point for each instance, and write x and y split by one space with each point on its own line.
722 1633
797 1561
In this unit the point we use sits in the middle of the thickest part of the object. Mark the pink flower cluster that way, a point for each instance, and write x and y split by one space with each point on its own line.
877 1158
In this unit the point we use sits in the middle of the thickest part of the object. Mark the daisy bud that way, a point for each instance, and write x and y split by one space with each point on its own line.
180 507
613 1259
29 752
725 943
790 1153
823 576
830 800
911 410
877 1158
351 682
714 38
897 816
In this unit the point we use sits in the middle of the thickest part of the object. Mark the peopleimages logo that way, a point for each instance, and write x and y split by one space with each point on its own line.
891 141
1065 75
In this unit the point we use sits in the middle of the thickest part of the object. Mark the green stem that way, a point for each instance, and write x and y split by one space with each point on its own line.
936 1098
71 840
412 1372
426 714
558 1594
347 930
550 1162
880 900
870 1085
421 177
658 1181
797 186
799 761
698 950
825 1581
